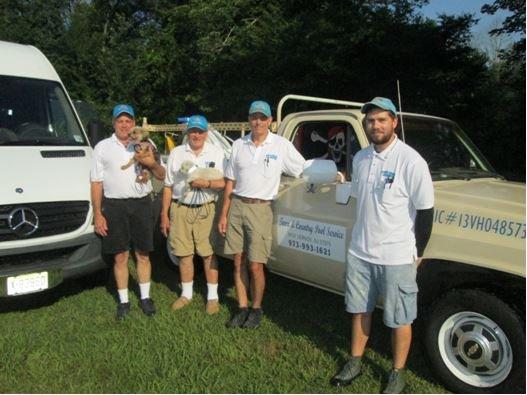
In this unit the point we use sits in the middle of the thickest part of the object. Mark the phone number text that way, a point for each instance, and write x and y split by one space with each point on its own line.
309 247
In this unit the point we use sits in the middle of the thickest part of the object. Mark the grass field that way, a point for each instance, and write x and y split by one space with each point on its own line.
68 340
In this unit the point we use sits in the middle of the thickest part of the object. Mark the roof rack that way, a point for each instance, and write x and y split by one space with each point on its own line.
222 127
243 127
311 99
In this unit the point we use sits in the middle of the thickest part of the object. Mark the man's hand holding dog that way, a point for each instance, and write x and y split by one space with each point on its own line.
146 157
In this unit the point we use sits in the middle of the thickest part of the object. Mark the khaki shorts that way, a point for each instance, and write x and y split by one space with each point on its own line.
249 230
190 229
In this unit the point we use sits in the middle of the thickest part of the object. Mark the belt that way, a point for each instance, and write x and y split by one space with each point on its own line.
252 200
127 199
191 205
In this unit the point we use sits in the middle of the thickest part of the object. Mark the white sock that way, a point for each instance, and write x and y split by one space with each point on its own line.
123 295
212 291
187 290
144 288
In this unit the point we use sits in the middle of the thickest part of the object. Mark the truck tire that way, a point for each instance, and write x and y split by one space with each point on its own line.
475 343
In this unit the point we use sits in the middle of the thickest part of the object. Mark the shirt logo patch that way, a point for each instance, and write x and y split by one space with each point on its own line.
388 176
268 157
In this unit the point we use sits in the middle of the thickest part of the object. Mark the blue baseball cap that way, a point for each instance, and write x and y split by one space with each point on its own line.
123 109
380 102
260 106
197 122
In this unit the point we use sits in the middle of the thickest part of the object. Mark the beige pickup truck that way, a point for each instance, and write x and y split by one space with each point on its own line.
472 282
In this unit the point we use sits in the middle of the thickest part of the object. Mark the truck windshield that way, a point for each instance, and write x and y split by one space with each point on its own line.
36 112
447 150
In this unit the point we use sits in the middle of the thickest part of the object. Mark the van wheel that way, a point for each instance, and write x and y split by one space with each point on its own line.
475 343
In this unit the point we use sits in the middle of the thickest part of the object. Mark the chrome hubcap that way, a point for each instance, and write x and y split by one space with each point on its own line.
475 349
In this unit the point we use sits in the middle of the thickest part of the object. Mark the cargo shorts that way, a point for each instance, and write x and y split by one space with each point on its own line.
394 286
249 230
191 229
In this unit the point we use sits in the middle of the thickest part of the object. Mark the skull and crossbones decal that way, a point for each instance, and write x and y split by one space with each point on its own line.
336 143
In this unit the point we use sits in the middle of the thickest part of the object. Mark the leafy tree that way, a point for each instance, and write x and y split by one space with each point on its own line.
41 23
505 88
171 58
514 23
125 57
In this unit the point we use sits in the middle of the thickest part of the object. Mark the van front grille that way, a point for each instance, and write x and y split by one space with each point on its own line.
31 220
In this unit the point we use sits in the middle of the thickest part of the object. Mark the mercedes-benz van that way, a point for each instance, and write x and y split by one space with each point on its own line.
46 231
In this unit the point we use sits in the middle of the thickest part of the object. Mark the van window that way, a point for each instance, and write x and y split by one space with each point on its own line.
334 140
36 112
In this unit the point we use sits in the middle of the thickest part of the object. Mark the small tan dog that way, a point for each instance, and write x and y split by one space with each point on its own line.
142 145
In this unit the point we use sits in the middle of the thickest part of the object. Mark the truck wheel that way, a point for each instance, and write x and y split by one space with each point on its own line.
475 343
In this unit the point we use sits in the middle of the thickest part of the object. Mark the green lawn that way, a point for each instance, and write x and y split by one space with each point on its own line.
69 341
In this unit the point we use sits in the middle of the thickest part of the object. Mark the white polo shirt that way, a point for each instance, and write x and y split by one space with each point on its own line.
389 186
108 157
209 155
257 170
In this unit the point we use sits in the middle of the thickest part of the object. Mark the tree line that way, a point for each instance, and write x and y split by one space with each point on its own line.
173 57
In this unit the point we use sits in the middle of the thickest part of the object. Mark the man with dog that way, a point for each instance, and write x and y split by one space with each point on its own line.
252 181
187 215
395 200
122 207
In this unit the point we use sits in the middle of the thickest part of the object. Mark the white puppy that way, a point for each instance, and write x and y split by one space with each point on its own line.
192 172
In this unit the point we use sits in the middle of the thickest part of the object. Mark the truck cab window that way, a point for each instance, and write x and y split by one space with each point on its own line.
446 149
333 140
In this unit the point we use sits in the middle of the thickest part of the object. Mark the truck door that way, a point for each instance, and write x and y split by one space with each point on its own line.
311 231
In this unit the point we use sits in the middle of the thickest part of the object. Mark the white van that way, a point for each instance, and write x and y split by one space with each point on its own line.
46 231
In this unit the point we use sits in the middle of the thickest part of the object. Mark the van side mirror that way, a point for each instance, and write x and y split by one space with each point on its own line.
94 132
90 121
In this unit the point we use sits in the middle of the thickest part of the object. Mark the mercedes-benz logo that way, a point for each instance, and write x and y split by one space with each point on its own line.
23 221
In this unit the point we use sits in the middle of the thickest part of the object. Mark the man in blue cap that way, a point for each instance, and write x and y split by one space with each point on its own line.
252 180
122 207
395 199
192 212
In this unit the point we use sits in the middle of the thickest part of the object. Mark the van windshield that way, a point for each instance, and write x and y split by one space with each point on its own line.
36 112
447 150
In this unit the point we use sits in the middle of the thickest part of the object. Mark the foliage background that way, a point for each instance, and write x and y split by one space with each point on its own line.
171 58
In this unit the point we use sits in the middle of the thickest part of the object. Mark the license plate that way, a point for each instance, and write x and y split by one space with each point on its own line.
27 283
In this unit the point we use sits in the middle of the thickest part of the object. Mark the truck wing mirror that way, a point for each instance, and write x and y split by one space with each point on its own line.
319 171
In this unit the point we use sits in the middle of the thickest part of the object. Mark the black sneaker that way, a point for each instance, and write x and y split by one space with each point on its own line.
396 382
349 372
147 305
253 320
239 318
122 310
